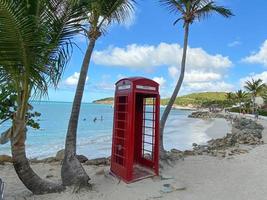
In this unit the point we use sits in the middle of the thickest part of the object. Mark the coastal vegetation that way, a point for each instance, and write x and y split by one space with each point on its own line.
240 97
202 99
8 108
188 12
255 88
245 101
35 46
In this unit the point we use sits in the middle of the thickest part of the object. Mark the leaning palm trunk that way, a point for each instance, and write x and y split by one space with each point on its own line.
100 15
175 93
72 171
21 164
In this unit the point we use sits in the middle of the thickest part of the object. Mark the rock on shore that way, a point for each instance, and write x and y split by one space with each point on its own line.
59 158
244 132
207 115
5 159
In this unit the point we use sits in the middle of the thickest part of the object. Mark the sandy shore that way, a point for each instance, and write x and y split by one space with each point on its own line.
241 177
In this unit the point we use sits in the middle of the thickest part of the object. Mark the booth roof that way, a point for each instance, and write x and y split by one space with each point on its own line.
135 79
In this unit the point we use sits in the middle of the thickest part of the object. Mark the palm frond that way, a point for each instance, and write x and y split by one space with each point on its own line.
174 6
254 86
36 40
190 10
15 33
206 8
240 94
103 12
118 11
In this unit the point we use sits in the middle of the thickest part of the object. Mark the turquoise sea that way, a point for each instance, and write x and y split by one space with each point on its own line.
94 138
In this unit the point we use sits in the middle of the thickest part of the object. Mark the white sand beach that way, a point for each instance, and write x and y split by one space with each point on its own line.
241 177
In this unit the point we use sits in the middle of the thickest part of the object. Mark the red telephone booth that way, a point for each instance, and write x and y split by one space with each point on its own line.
135 142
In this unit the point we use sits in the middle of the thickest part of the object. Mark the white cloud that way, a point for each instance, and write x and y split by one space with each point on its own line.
162 86
234 43
262 76
217 86
104 86
199 76
201 81
160 80
204 71
259 57
173 72
104 83
144 56
195 75
73 79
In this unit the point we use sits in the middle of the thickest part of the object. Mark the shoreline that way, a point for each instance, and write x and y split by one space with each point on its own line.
213 129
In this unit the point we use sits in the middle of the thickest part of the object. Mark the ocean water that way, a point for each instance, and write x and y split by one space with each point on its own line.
94 138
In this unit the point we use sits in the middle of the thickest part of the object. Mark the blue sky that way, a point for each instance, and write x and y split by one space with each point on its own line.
223 53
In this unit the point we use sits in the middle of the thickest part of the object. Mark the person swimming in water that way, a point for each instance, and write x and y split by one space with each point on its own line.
95 119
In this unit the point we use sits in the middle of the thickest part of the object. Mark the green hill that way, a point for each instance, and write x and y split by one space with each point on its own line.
108 100
194 99
199 99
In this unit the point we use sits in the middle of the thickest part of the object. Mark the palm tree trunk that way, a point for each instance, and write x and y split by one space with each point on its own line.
240 107
254 104
72 171
175 93
20 162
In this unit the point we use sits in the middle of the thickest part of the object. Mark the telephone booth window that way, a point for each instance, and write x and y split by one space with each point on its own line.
120 129
148 128
135 142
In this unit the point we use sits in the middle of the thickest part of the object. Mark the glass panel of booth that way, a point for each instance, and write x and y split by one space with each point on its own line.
121 115
148 128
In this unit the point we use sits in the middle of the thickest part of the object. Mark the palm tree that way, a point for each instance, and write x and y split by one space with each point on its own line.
240 97
34 47
255 87
230 97
189 11
101 13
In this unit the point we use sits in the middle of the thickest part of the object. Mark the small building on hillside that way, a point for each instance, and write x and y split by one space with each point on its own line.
259 101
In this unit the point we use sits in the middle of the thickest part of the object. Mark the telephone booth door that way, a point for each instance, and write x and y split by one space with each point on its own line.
119 148
146 143
135 142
